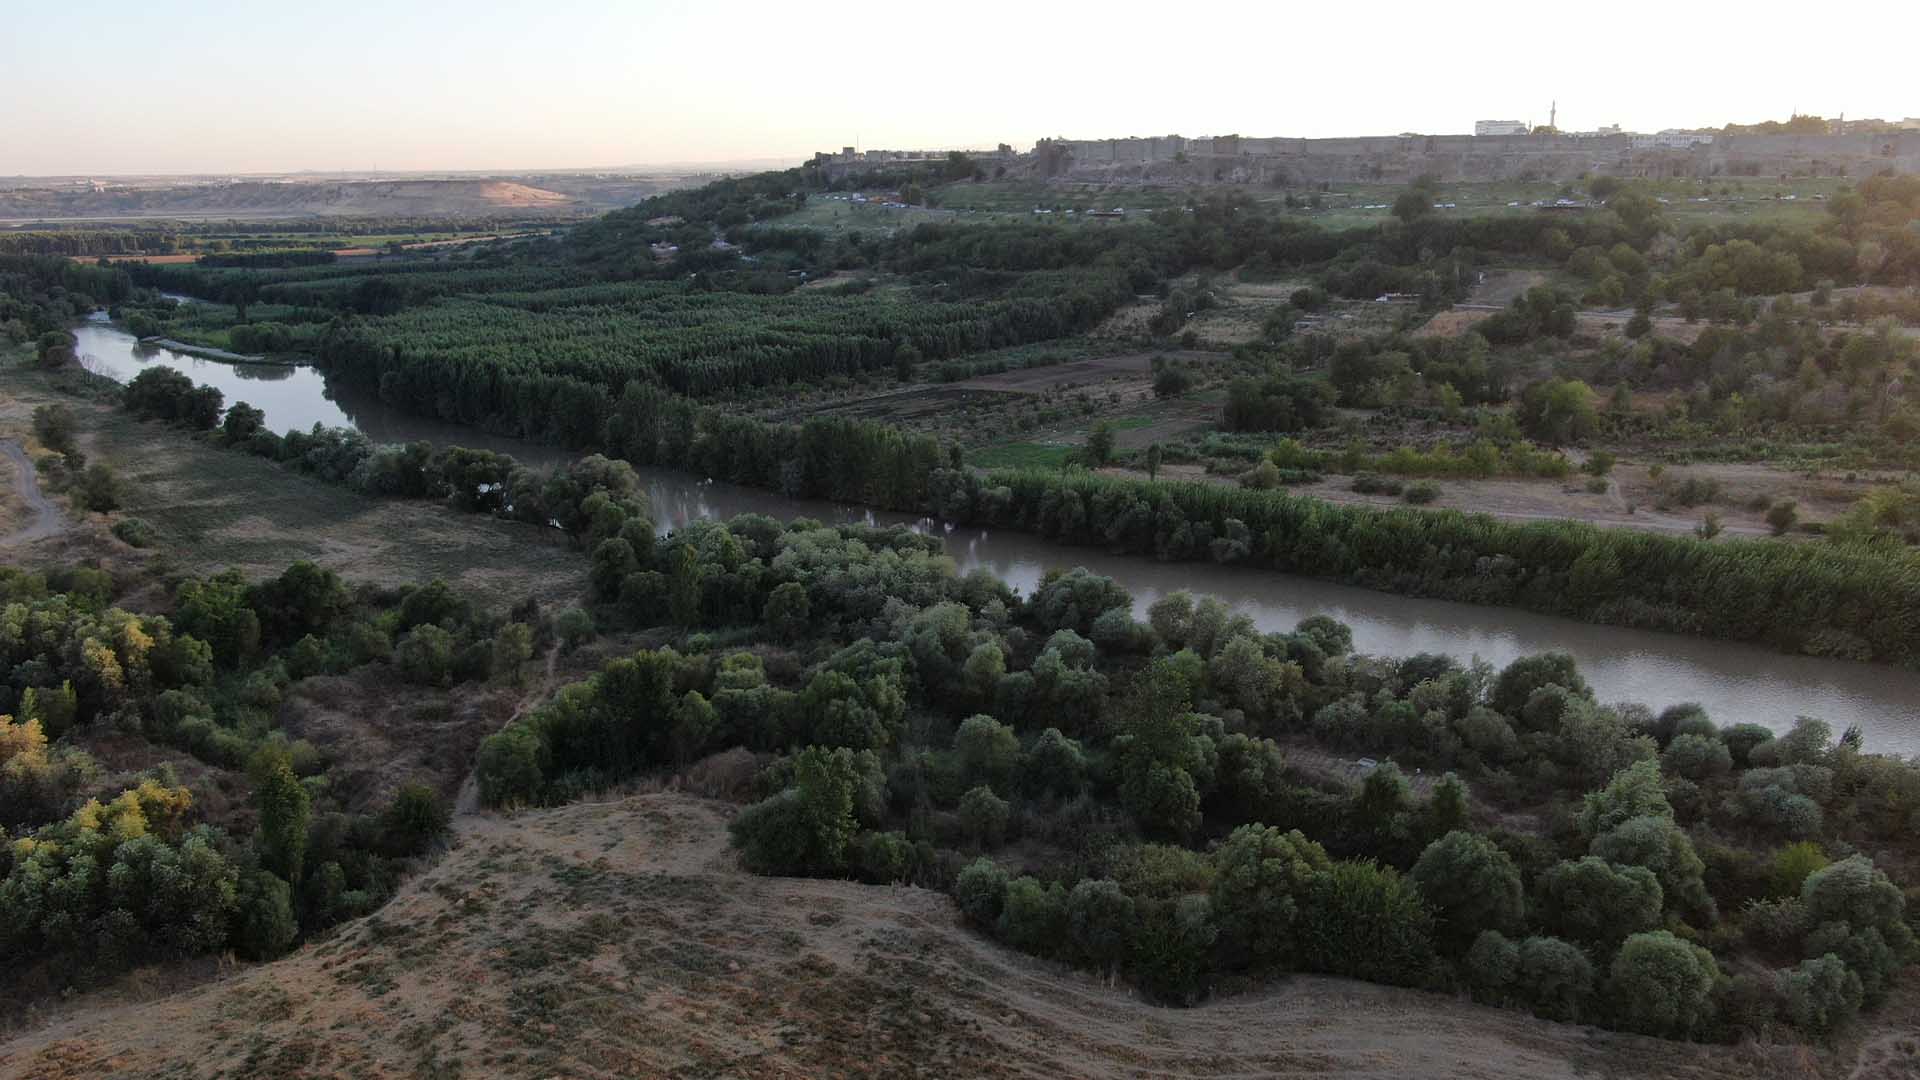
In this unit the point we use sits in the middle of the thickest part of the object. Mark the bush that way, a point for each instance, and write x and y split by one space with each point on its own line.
98 488
805 829
984 816
416 819
1366 922
1172 942
425 656
1792 865
1262 876
1472 885
1554 978
884 858
135 532
1821 995
1661 985
1371 484
1100 915
1782 516
981 891
1421 492
574 628
264 925
1033 917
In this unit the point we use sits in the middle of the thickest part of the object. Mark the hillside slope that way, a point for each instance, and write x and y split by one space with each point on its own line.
254 199
620 939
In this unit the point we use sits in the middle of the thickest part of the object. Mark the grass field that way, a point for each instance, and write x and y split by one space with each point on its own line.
1021 455
215 508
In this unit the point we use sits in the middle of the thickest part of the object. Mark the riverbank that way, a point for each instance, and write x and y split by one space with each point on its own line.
208 352
1653 666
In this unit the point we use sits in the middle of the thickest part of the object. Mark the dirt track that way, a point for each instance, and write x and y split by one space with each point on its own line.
621 939
47 518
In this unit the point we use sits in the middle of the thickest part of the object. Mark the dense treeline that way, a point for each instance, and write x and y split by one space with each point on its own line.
95 878
1859 601
905 724
1822 599
41 294
90 242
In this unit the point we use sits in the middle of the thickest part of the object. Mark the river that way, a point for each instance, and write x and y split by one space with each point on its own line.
1736 683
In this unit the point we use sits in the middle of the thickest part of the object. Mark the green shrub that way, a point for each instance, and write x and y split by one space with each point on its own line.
1661 985
135 532
1033 917
984 816
1421 492
981 891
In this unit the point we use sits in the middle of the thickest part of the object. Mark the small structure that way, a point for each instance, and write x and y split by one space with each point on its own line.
1499 127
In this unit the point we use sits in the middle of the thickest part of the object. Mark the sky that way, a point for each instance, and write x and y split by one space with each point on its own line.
108 87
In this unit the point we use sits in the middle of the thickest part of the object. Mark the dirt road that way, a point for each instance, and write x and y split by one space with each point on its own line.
47 519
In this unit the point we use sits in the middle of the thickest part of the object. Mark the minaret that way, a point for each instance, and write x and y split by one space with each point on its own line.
1553 117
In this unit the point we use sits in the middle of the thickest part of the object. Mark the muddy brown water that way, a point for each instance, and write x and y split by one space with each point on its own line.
1735 682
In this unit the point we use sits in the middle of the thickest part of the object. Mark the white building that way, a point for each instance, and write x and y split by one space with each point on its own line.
1671 140
1499 127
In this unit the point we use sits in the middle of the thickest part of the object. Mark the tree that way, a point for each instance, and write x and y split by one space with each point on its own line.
1661 985
981 891
1821 995
55 348
1593 901
684 587
805 829
1056 764
1558 411
1553 977
1860 915
512 648
416 818
284 807
99 488
1416 202
1633 792
1472 886
1171 943
1100 915
1367 922
1656 843
265 926
1518 680
984 816
425 655
1154 456
787 610
1100 444
1262 876
988 751
1033 917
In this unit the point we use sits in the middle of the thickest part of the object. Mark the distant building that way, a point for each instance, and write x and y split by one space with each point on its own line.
1607 131
1672 140
1499 127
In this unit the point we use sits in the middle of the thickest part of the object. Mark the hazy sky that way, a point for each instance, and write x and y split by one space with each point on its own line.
158 86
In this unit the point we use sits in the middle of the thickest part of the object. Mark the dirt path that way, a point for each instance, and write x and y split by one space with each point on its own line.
47 518
467 803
